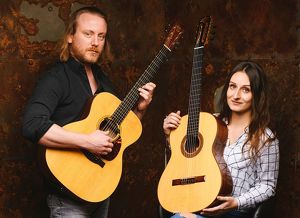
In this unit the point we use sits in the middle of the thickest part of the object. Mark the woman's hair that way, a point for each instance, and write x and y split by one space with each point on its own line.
260 116
71 29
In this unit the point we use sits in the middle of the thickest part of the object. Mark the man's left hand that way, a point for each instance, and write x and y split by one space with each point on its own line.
146 94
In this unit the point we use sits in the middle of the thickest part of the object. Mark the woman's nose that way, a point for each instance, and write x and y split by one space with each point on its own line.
236 93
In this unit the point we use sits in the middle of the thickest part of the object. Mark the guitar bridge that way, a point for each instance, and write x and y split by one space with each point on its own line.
187 181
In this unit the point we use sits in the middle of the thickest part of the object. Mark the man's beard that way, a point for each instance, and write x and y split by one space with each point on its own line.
87 56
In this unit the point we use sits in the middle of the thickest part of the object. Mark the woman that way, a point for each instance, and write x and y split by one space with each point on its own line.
251 152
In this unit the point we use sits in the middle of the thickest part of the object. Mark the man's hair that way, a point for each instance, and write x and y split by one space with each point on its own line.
71 29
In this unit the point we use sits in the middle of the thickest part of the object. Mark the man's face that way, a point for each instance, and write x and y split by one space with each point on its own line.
88 41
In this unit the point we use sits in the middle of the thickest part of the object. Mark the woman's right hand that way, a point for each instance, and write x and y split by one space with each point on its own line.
171 122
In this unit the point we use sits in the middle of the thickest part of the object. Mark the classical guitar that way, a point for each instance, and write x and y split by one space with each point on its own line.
81 173
196 172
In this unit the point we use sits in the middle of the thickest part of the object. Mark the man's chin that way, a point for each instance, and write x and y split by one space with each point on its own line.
91 60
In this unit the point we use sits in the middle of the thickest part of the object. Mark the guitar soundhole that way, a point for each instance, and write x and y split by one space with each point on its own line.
114 132
191 145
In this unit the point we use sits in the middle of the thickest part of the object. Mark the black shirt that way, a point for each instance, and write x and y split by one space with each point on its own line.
60 97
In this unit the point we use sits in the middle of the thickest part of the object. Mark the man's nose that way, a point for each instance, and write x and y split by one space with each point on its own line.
95 41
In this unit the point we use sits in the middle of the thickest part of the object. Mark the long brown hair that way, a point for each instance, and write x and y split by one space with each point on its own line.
71 29
260 115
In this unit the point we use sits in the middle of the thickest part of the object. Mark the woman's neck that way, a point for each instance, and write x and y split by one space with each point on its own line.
241 120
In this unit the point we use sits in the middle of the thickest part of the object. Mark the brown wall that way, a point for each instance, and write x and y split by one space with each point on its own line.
261 30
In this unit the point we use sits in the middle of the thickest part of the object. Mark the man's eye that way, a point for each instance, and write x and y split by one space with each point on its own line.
87 35
101 37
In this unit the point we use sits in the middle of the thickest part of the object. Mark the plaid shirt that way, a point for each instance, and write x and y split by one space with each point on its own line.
253 180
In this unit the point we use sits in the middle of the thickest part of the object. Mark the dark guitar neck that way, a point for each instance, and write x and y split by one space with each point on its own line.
132 97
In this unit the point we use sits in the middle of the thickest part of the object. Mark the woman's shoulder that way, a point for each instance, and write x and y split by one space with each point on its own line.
269 139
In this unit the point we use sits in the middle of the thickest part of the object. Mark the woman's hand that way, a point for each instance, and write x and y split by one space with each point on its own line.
227 204
171 122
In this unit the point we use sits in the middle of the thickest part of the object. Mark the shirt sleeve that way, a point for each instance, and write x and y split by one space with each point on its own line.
40 107
266 180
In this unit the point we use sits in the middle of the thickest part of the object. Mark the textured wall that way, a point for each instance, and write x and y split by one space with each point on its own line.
261 30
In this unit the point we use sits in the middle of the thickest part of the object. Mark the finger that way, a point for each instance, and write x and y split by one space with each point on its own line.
146 90
177 115
146 96
149 86
213 209
108 150
173 120
223 198
172 126
109 145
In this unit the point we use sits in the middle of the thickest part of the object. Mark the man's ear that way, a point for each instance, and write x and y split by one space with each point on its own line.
70 38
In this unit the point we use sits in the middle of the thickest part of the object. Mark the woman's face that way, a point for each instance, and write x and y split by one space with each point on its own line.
239 94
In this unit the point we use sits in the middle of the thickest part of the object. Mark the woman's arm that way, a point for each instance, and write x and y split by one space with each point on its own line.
267 173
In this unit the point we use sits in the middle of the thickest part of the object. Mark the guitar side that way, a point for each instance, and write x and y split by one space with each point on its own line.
200 173
84 178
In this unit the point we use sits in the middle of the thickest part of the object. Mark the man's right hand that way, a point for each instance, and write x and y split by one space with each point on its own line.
99 142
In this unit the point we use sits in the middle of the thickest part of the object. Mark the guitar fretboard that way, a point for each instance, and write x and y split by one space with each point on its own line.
195 95
132 97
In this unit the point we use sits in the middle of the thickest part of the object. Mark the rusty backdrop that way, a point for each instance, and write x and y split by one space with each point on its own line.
265 31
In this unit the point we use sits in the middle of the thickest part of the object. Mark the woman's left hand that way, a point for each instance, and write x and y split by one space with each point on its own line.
227 204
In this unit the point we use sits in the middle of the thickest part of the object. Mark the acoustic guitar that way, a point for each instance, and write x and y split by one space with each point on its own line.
196 172
80 173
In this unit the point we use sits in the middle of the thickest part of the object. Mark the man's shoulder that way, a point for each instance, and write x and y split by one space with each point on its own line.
56 67
55 71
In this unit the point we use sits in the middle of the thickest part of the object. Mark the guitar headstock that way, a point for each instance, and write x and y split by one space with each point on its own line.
173 36
203 31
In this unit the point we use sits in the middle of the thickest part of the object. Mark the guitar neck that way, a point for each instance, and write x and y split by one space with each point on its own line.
132 97
195 93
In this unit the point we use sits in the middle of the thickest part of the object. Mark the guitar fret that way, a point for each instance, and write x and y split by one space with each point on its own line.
195 94
132 97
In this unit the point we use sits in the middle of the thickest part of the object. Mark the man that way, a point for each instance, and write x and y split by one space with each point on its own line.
60 97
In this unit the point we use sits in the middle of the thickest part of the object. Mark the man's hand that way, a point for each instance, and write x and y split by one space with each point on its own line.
99 142
146 94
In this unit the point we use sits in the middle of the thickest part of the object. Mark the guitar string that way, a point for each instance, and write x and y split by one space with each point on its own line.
133 94
130 98
194 109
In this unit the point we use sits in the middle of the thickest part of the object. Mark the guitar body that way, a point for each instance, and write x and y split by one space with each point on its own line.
192 179
84 178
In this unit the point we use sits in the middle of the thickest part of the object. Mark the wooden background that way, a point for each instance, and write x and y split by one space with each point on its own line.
265 31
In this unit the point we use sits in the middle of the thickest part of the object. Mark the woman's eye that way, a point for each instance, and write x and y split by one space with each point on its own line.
246 90
231 86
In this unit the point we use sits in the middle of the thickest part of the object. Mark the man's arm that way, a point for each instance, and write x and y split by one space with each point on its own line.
98 142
